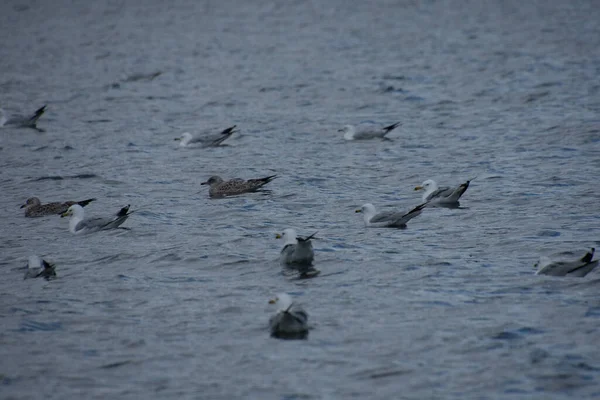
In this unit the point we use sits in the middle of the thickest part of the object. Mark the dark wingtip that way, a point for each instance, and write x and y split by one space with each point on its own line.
588 256
123 211
84 203
229 130
390 128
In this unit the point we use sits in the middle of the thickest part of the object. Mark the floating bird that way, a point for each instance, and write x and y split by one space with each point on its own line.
291 321
221 188
367 132
207 140
579 267
443 195
34 207
296 250
79 224
388 219
21 121
39 268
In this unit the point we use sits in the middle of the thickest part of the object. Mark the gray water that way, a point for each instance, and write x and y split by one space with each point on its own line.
176 307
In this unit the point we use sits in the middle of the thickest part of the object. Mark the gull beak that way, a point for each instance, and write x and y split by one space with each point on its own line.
23 206
357 211
273 301
340 130
204 183
419 188
277 236
65 214
177 138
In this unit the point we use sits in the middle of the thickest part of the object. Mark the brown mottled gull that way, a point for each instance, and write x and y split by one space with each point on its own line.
34 207
221 188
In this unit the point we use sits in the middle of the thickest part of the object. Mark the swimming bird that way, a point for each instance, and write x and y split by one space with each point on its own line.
442 195
579 267
37 267
79 224
21 121
207 140
296 250
388 219
291 321
220 188
34 207
367 132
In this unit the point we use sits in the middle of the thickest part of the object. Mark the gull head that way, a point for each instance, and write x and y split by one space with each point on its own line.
75 211
349 132
288 235
185 138
32 201
213 180
283 300
368 211
428 185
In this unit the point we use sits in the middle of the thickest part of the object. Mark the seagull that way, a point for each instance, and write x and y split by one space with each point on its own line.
291 321
34 207
221 188
78 224
443 195
208 140
21 121
296 250
388 219
367 132
37 267
579 267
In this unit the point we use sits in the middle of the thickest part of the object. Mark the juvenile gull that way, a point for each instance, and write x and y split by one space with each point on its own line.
388 219
40 268
79 224
21 121
442 195
579 267
207 140
367 132
291 321
220 188
34 207
296 250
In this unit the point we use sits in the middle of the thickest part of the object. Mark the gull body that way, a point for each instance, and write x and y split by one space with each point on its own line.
352 132
79 224
388 219
220 188
296 250
206 139
34 207
442 195
290 321
579 267
39 268
21 121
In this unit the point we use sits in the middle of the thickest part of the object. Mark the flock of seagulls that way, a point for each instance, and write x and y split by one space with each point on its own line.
290 321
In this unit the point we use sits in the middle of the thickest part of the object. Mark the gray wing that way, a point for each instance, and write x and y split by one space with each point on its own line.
368 133
299 254
97 224
397 218
292 321
441 193
387 216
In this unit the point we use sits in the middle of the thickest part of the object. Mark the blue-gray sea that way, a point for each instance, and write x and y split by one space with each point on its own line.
503 91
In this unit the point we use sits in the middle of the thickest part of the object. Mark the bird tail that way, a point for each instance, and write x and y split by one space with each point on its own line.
84 203
124 211
38 113
306 239
588 256
229 131
389 128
